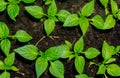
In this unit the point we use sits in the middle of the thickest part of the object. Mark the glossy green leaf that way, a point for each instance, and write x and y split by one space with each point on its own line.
22 36
104 3
57 69
5 75
81 76
5 46
13 11
106 51
4 31
110 60
71 20
52 10
109 22
101 69
88 9
113 70
114 7
98 21
2 65
51 53
13 68
9 60
47 2
79 64
79 45
91 53
64 50
49 26
28 1
63 14
13 1
29 52
40 66
35 11
3 5
84 24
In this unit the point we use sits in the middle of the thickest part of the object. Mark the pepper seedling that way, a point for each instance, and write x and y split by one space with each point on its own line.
5 44
77 53
12 7
49 23
7 65
50 56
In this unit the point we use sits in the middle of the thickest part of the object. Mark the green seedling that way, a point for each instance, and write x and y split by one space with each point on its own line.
77 53
5 43
81 20
7 65
49 23
12 7
43 59
106 65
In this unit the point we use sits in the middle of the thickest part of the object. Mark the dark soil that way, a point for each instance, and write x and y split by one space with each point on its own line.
93 38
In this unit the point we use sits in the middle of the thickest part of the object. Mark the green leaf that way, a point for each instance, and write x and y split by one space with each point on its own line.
22 36
104 3
118 14
13 11
91 53
101 69
113 70
13 1
64 50
106 51
14 68
40 66
71 20
52 10
79 45
5 46
57 69
88 9
35 11
28 1
114 7
49 26
3 5
29 52
79 64
9 60
5 75
4 31
110 60
109 22
69 44
81 76
2 65
98 21
63 14
52 53
84 24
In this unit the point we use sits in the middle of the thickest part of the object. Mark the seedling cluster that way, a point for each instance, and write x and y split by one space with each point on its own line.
51 58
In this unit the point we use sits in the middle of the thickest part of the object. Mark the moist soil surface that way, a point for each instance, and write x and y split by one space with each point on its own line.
93 38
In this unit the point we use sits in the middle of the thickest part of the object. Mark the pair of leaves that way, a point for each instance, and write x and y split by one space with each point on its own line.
56 68
8 63
74 20
112 69
99 23
90 53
